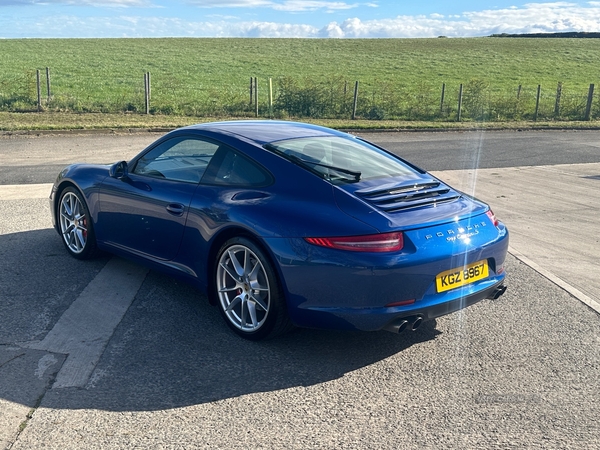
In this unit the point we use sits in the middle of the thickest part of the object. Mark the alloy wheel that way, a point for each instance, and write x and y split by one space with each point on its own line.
73 222
243 288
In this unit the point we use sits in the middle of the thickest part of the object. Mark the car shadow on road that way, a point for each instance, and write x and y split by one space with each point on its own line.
172 349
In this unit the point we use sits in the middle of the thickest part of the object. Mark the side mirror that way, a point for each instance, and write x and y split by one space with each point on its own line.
119 170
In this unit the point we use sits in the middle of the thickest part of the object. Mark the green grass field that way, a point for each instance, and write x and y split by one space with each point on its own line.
399 78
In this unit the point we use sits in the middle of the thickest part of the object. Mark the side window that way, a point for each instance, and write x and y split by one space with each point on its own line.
230 168
177 159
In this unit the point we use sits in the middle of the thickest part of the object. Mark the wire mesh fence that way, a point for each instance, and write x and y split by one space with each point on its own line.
290 97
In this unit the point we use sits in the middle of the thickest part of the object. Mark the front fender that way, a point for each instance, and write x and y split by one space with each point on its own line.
87 178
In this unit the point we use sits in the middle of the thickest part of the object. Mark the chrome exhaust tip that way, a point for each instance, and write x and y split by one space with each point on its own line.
397 327
498 292
418 320
400 325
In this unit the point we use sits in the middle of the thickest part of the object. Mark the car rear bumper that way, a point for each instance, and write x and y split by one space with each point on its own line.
390 318
374 292
413 320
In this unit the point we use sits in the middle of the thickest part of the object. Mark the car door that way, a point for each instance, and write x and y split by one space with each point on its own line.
146 211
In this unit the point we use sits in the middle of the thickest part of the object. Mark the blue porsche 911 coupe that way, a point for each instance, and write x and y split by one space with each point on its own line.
287 224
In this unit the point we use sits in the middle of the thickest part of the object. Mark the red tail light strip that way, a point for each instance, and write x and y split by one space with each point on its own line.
385 242
492 217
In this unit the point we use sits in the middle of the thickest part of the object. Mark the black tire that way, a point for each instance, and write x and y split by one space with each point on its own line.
75 224
248 291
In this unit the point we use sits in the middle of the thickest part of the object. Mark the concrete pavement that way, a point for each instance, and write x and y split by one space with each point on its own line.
512 373
552 213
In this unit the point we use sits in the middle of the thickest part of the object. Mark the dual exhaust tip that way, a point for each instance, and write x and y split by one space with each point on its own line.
414 322
408 323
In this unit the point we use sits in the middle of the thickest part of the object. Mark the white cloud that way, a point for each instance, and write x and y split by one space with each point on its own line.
221 17
286 5
537 18
137 26
301 5
531 18
332 30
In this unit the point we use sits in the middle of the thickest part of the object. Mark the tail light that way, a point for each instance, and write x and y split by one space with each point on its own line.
492 217
384 242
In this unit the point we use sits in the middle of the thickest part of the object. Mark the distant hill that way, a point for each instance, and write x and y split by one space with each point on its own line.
570 34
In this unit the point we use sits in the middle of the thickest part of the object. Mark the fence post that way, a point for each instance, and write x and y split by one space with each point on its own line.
537 103
443 95
256 95
460 99
39 91
519 92
251 90
147 91
270 97
588 108
48 82
355 101
557 103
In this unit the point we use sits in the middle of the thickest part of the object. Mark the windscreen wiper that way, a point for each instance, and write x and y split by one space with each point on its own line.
308 164
354 174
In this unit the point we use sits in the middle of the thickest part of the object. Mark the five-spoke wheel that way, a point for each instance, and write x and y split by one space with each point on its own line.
75 224
249 293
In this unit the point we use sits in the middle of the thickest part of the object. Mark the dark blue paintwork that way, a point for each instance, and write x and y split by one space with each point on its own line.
178 227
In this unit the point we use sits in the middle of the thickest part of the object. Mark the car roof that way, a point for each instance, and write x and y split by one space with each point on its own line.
265 131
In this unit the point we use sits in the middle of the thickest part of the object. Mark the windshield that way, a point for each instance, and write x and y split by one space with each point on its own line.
339 159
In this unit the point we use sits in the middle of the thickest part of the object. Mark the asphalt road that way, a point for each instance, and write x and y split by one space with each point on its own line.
436 151
38 159
519 372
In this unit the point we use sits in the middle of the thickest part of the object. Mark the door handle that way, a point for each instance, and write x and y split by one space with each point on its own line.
176 209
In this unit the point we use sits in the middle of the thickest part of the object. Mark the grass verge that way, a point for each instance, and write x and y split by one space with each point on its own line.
25 122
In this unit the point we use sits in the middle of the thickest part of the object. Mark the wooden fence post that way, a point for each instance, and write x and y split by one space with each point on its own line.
256 95
588 107
537 103
557 103
443 94
48 82
271 98
147 91
39 91
251 90
355 101
519 92
460 99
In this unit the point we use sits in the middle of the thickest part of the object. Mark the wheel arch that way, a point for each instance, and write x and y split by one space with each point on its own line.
220 239
56 200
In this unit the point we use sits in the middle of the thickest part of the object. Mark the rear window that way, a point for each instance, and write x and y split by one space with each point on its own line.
339 159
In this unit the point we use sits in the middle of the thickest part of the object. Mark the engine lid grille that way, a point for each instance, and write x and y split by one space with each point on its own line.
410 195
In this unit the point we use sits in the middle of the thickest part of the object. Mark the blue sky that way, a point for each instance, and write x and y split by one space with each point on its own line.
291 18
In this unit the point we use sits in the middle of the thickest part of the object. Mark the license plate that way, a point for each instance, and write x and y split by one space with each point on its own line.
461 276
